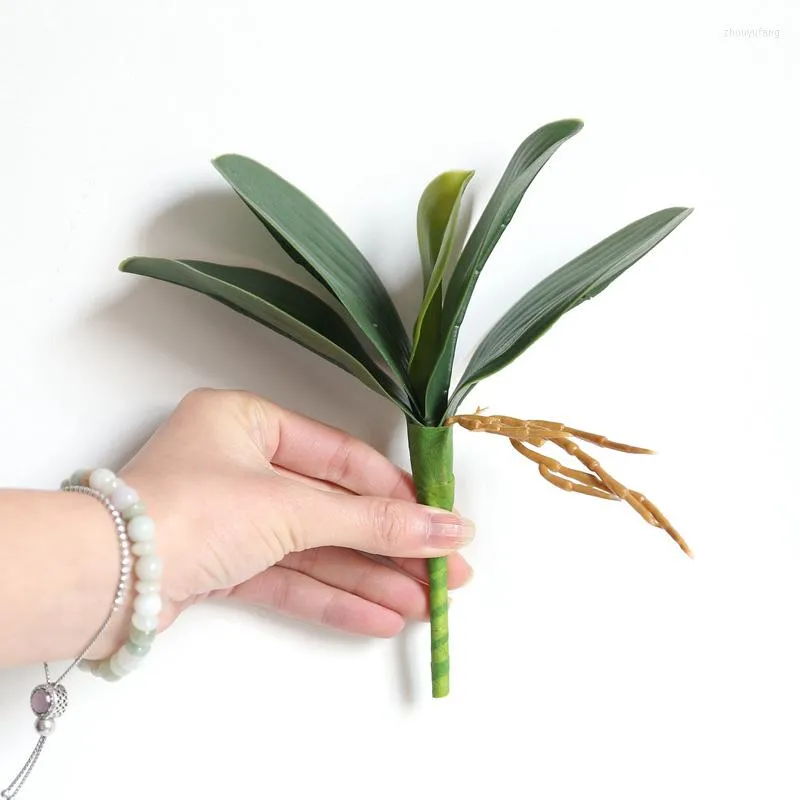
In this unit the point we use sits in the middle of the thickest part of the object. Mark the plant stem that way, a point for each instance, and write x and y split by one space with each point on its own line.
432 467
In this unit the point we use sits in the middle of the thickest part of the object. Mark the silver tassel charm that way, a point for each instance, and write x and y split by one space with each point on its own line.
48 702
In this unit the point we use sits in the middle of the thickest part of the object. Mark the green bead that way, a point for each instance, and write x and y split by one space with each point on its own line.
104 671
136 510
138 650
80 477
140 638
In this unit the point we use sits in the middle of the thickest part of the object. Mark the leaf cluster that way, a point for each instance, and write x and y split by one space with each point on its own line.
355 324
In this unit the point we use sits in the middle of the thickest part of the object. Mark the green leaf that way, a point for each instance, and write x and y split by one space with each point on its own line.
581 279
282 306
315 242
437 224
524 166
437 219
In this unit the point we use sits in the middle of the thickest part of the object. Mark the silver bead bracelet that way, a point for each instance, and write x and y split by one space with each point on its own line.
136 534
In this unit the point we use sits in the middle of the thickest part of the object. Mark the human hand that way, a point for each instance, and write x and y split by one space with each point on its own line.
256 503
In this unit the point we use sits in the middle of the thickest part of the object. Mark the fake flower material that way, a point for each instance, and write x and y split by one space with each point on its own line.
352 322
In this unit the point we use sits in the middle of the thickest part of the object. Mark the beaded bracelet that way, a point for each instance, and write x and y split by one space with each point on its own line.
49 699
144 562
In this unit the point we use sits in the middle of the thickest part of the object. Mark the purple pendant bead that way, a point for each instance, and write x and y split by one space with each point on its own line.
49 700
41 702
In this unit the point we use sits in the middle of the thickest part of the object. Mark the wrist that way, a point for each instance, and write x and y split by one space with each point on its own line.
67 542
177 535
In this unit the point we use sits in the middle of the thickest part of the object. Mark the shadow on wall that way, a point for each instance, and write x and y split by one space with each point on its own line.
183 331
215 225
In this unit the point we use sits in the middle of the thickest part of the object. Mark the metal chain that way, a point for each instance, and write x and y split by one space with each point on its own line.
23 775
75 663
117 517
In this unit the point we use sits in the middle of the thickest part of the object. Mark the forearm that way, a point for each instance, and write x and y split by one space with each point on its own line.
59 566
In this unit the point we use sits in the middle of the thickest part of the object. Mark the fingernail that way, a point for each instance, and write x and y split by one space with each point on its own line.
448 531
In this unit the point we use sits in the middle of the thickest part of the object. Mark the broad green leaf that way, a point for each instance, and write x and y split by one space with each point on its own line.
437 224
524 166
581 279
315 242
282 306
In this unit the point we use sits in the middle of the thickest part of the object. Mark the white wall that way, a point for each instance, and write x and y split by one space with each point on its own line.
590 658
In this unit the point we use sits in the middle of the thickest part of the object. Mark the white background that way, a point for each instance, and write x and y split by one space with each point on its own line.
590 657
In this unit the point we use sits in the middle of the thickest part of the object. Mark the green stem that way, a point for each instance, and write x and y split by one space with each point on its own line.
432 467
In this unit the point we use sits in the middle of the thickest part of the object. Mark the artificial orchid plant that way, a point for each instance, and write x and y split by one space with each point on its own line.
357 327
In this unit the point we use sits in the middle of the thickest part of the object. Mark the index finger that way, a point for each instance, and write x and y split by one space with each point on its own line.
312 448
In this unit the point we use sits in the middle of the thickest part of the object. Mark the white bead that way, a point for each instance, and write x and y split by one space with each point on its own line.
102 480
143 548
148 587
149 568
148 605
141 529
116 667
123 497
144 624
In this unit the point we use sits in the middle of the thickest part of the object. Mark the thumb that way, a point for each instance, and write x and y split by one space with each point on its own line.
377 525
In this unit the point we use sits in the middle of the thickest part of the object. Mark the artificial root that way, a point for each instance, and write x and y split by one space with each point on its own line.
526 434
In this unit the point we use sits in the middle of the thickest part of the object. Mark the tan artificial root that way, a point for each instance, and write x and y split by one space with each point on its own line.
597 483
